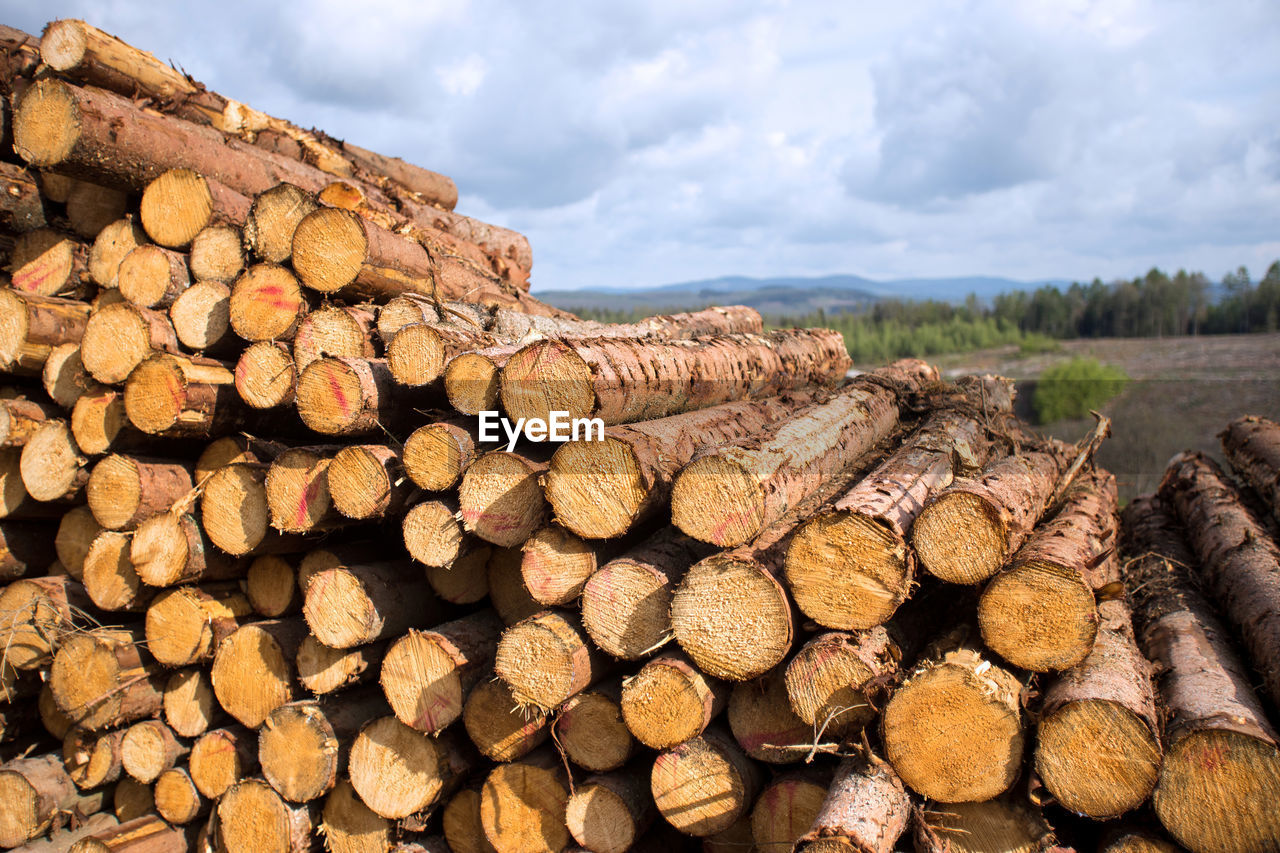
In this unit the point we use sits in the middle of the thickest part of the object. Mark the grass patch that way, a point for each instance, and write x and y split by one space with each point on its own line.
1072 389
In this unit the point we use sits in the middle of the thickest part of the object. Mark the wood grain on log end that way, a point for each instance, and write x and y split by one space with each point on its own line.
110 247
175 207
670 701
266 375
546 659
349 826
502 499
544 377
591 731
703 785
217 255
499 727
189 704
274 216
471 382
398 771
252 816
522 807
253 669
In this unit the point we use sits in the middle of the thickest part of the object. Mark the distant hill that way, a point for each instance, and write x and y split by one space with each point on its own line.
784 295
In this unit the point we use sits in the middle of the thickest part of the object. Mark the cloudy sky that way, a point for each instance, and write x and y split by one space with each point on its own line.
645 143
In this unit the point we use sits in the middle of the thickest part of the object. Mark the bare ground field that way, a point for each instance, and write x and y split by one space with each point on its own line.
1184 391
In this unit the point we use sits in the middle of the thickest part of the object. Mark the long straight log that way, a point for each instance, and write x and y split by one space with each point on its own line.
1098 746
359 604
1240 562
866 809
427 675
850 567
731 492
33 326
966 532
624 380
1221 756
604 488
146 834
124 491
1252 446
37 792
1040 612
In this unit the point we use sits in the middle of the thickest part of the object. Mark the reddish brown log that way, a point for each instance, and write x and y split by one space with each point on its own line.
1252 446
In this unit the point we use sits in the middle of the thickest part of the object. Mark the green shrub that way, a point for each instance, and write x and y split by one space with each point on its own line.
1037 344
1070 390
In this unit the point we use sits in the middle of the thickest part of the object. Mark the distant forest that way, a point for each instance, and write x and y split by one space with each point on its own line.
1154 305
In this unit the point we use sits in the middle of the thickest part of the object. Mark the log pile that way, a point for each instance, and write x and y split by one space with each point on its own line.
268 584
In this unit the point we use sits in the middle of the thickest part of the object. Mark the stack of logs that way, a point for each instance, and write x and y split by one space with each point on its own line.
267 587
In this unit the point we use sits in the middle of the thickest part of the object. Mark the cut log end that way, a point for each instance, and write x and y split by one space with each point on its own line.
1098 757
110 576
201 315
765 724
465 580
502 499
961 538
252 674
339 608
626 610
116 340
76 532
217 256
114 491
703 785
148 749
718 500
274 217
471 383
98 419
267 303
234 508
298 490
432 534
324 670
362 481
498 726
1039 616
64 376
298 751
556 565
88 680
544 377
252 816
416 355
332 331
827 680
63 44
522 809
597 488
421 681
668 702
160 550
784 812
151 276
175 207
155 395
330 396
52 466
545 659
176 797
399 771
349 826
1211 787
266 375
602 819
848 572
272 586
964 692
219 759
329 247
46 123
732 617
592 732
189 704
110 247
1004 824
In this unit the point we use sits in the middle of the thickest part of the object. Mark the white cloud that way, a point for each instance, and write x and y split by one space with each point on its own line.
661 141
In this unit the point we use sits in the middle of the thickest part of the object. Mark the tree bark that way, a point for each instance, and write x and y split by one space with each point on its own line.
1040 612
850 567
1240 562
21 208
253 669
866 809
1252 446
625 380
626 603
102 678
20 418
1220 750
967 532
669 701
731 492
36 325
359 604
705 784
427 675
